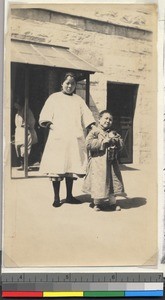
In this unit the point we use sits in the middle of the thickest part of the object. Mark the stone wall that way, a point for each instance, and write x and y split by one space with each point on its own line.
122 55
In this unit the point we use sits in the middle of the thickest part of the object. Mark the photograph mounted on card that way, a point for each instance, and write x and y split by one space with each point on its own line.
80 132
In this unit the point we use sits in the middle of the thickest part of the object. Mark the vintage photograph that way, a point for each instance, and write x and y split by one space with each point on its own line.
163 251
80 136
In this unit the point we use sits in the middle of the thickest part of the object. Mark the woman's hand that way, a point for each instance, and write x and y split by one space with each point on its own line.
51 127
92 126
45 124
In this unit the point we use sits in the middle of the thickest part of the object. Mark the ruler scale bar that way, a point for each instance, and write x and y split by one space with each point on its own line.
116 286
82 277
63 294
143 293
40 285
88 294
104 294
20 294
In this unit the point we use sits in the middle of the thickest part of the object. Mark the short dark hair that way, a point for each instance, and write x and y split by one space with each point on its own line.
105 111
71 74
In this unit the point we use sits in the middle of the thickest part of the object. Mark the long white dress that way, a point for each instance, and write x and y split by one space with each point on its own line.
65 150
20 132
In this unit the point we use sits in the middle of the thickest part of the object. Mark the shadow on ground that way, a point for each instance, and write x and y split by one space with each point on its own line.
131 202
84 198
28 177
127 203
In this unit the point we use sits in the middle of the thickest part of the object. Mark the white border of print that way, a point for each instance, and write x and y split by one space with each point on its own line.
160 142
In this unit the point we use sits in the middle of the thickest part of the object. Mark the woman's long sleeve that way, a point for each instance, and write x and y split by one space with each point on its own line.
86 115
46 115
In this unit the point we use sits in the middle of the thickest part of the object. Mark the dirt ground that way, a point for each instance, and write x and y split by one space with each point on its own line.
38 235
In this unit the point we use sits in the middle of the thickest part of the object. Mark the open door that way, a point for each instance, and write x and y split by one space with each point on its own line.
121 102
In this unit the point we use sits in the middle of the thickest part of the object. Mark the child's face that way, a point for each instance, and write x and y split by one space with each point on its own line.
106 121
69 85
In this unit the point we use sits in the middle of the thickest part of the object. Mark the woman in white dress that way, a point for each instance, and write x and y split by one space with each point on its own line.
67 116
20 132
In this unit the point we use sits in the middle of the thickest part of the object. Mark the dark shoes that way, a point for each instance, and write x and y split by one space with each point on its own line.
115 207
57 203
70 200
21 168
91 205
112 207
95 207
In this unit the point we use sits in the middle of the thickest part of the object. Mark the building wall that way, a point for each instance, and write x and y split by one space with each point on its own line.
125 55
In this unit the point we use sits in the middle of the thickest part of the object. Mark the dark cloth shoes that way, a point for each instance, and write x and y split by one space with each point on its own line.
57 203
115 207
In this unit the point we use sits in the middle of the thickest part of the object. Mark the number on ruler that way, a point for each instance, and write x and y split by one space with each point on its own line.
158 277
20 277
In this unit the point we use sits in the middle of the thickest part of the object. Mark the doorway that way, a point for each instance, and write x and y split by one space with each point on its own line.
42 81
38 92
121 102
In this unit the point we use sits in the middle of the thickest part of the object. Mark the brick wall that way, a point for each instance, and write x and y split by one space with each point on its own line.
122 55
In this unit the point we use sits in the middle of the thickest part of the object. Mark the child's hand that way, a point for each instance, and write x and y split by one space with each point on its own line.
114 135
111 135
106 140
